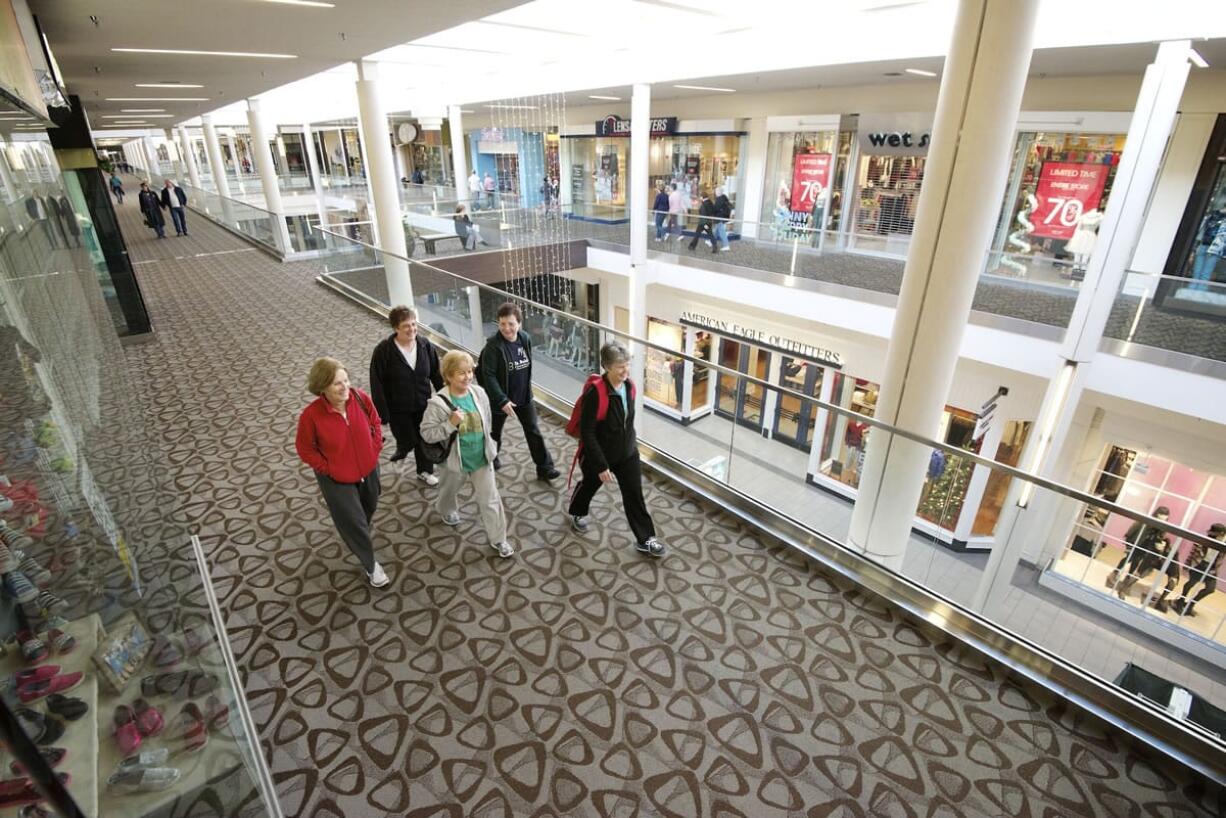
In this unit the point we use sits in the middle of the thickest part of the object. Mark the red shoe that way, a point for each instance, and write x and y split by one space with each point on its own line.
34 674
127 735
149 720
57 684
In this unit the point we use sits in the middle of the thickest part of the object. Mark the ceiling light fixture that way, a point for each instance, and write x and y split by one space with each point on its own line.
167 85
1197 59
706 88
189 52
513 107
919 72
142 110
601 96
311 3
157 99
129 116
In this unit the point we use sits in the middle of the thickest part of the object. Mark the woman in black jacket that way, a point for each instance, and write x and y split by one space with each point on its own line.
404 373
609 449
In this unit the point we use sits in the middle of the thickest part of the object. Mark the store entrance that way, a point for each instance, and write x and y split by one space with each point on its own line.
737 398
795 418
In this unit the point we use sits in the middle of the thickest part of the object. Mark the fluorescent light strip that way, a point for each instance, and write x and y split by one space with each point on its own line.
129 116
514 107
141 110
166 85
919 72
315 4
157 99
190 53
706 88
1197 59
600 96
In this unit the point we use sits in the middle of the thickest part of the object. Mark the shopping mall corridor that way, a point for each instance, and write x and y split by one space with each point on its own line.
732 678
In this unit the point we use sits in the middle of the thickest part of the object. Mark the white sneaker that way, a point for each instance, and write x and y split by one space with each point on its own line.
427 478
378 578
504 549
452 519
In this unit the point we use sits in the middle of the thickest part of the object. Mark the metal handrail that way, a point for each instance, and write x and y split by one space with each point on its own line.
1012 471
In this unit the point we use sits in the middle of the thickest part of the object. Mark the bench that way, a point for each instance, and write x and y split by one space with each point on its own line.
431 239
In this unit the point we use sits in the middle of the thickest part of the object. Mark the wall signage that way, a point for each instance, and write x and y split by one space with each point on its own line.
1065 191
810 180
613 125
763 338
895 134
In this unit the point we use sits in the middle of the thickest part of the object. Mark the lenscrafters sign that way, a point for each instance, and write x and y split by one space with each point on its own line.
763 338
613 125
895 134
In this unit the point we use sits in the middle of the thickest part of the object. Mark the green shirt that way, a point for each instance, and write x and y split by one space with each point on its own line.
472 433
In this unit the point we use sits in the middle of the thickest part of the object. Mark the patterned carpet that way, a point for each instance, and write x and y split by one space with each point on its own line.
732 678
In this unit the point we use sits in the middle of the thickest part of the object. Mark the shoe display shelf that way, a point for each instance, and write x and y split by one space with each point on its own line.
80 737
59 484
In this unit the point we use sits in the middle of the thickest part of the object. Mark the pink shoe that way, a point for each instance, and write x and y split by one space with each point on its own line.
33 691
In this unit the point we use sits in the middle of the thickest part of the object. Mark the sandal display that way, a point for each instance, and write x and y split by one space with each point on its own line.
149 719
142 779
33 691
32 648
63 643
145 759
127 734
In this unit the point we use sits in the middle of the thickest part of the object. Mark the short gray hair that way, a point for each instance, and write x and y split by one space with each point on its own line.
613 352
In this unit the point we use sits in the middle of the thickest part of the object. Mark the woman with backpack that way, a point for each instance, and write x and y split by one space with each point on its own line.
608 448
458 418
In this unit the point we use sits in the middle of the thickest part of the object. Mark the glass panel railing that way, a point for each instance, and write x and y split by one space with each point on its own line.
255 223
984 536
1176 314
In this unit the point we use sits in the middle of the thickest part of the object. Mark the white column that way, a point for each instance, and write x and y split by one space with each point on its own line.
213 149
268 174
749 204
981 92
382 182
151 160
238 166
317 178
474 314
459 159
176 155
1153 120
6 174
640 137
189 156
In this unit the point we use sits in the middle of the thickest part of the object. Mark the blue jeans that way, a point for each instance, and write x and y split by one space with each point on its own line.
721 234
660 217
1203 266
179 216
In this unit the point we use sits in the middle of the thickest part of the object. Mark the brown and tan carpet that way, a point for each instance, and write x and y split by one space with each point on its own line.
733 678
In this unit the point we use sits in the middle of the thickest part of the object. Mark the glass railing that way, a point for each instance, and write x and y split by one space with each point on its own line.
255 223
986 538
1171 313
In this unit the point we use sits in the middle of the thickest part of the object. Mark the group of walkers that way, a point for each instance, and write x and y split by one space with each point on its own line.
1148 549
451 412
670 208
172 199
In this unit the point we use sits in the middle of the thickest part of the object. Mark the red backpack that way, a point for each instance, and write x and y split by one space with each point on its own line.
598 385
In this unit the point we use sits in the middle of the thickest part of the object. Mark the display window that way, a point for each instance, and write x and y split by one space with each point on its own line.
888 189
1166 576
800 178
596 171
795 419
846 437
949 476
1008 452
700 395
665 376
1198 250
1054 204
432 157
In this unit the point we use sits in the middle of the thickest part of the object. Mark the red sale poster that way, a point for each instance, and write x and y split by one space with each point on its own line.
810 178
1065 191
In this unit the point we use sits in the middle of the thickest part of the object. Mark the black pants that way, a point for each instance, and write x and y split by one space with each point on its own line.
1201 573
352 505
526 413
629 474
406 428
704 227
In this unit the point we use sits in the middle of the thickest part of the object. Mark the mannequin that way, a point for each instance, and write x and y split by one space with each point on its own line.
1082 242
1210 247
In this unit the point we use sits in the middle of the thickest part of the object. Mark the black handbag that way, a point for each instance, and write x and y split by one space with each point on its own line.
439 452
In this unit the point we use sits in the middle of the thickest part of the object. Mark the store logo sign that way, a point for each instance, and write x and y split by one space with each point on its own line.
613 125
895 134
763 338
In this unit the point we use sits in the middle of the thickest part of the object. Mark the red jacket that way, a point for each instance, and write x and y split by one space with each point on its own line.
346 452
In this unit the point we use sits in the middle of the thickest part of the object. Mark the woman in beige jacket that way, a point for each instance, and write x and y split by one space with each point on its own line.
462 408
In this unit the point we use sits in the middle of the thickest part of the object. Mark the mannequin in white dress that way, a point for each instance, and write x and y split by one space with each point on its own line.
1084 237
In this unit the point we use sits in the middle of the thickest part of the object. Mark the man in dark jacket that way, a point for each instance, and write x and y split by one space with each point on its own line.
610 450
175 200
404 373
659 209
152 209
705 211
506 376
723 213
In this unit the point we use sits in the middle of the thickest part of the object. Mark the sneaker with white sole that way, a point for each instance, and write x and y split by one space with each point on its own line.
378 577
504 549
651 547
579 523
427 478
452 519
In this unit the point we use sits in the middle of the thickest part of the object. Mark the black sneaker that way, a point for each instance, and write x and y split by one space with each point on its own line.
497 464
548 474
579 523
651 547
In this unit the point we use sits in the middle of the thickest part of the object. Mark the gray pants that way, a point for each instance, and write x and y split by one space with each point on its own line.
351 506
489 504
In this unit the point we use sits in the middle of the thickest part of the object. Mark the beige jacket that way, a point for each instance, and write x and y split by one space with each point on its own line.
436 426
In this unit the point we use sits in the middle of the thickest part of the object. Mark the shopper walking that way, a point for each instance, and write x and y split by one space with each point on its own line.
404 372
339 437
723 215
608 448
705 211
676 212
506 377
175 200
659 209
474 189
460 412
151 207
489 186
117 187
1205 563
1139 542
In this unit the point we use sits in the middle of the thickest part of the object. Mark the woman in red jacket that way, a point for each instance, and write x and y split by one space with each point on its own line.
339 437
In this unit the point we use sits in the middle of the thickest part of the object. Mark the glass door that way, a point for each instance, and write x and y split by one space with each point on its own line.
795 418
726 387
756 362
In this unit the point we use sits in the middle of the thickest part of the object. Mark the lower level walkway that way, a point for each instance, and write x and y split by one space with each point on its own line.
732 678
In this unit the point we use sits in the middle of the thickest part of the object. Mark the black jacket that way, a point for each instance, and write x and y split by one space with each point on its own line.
611 440
397 389
492 368
180 196
706 209
723 207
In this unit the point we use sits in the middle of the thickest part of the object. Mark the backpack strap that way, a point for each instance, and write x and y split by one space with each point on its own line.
602 398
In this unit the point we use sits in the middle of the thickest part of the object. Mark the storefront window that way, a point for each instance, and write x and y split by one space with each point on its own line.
737 398
799 181
665 377
796 418
1199 248
888 194
700 396
846 438
1143 566
432 157
1057 194
948 475
295 159
1009 452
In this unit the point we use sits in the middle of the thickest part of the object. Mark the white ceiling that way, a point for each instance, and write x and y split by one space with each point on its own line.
320 38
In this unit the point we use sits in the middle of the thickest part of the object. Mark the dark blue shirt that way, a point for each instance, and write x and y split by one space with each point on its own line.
518 376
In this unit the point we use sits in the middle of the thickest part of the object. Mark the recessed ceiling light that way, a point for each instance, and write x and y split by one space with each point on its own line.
1197 59
157 99
189 52
129 116
601 96
141 110
513 107
167 85
312 3
706 88
919 72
